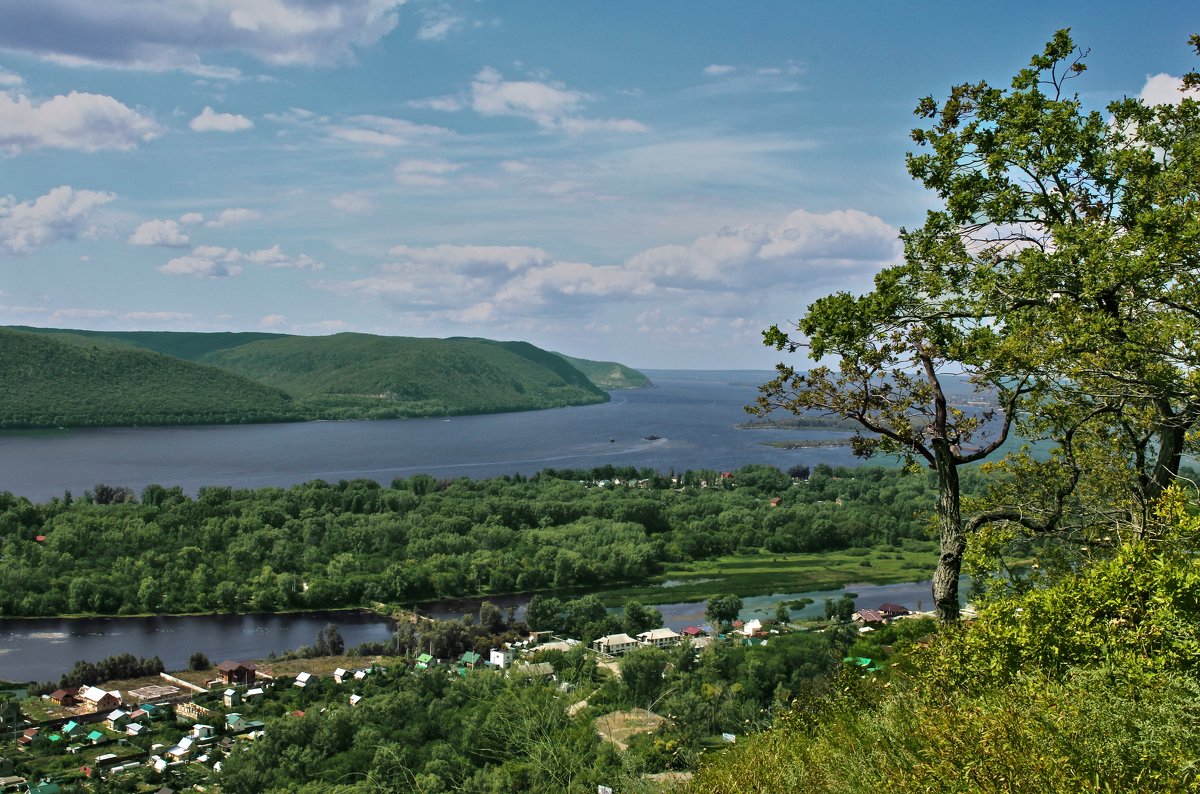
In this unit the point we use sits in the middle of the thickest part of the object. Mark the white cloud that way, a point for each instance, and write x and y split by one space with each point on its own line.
231 216
425 173
719 69
64 213
162 35
438 23
205 261
159 232
472 258
81 122
213 261
274 257
353 203
211 121
272 321
1164 89
383 131
191 217
552 106
9 80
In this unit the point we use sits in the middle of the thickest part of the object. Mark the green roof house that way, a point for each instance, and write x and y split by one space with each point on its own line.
469 659
96 737
72 729
425 661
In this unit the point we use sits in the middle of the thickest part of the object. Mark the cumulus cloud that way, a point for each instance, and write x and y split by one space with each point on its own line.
233 216
552 106
64 213
425 173
76 121
163 35
718 69
353 203
159 232
9 80
191 217
213 261
1164 89
803 249
211 121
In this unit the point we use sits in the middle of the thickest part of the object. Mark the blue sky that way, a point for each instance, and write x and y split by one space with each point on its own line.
652 183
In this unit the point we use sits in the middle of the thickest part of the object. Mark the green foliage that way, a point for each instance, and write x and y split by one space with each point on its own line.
608 375
723 609
51 383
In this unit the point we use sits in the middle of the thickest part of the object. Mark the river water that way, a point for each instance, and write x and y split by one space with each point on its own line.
693 412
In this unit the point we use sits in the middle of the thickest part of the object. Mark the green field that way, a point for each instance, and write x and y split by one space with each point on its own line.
764 574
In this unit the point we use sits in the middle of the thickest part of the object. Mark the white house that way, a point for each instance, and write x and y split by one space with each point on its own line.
751 627
232 698
615 644
183 749
135 729
354 699
340 675
500 657
98 700
302 680
659 638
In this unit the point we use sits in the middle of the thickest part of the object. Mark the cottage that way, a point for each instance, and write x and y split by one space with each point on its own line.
232 698
469 660
340 675
253 694
533 670
184 749
659 638
615 644
96 737
302 680
30 737
135 729
72 729
359 675
116 719
890 610
354 699
425 661
868 616
65 697
500 657
97 699
237 672
692 632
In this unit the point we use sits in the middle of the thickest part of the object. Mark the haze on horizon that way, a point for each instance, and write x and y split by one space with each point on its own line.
648 184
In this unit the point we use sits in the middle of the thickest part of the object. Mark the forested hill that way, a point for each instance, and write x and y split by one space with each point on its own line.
358 375
608 374
49 382
156 377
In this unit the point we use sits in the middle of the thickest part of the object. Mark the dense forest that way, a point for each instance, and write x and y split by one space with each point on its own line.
79 378
320 545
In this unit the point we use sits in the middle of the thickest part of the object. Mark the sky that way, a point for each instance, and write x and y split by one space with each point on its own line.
650 183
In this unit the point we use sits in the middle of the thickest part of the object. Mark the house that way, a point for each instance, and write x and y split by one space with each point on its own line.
751 628
237 724
359 675
890 611
116 719
354 699
135 729
97 699
425 661
237 672
615 644
202 731
302 680
232 698
659 638
30 737
96 737
692 632
65 697
868 616
340 675
252 694
72 729
533 670
184 749
44 787
500 657
469 660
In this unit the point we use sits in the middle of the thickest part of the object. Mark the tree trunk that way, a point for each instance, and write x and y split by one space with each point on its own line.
953 541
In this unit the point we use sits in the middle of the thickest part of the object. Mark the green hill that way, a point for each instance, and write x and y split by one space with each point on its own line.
362 376
188 345
49 382
608 374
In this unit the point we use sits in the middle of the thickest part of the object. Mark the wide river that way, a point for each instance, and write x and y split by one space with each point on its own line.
693 412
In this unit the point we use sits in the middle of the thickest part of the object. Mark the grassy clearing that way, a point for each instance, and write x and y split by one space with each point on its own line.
766 573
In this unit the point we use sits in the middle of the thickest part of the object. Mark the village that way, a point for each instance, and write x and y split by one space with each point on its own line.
175 731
